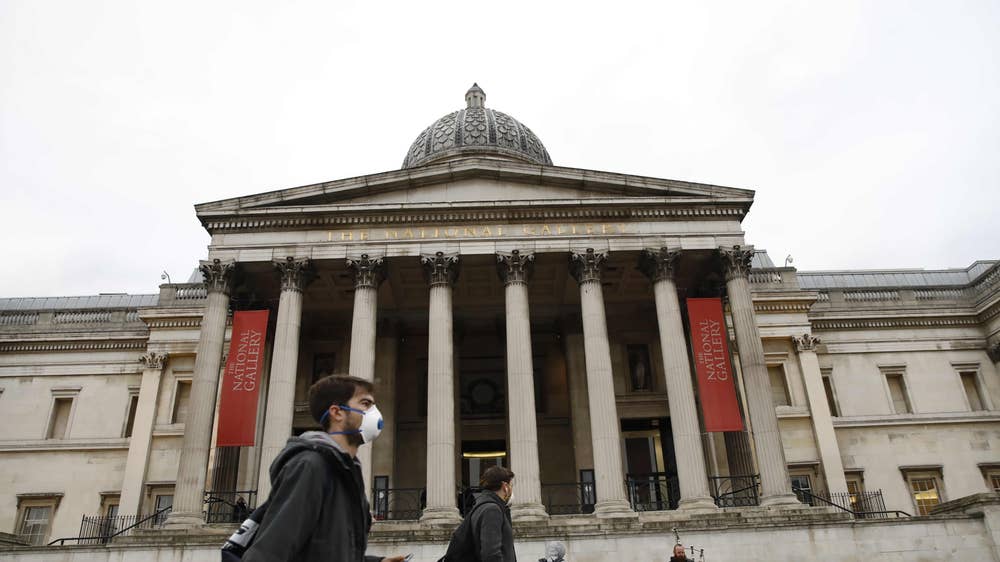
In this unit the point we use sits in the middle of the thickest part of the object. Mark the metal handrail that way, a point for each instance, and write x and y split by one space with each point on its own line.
62 541
857 514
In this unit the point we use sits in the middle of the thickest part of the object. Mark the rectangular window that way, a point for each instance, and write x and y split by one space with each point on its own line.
62 407
802 486
133 405
831 398
35 524
995 482
779 385
970 382
182 396
925 494
163 502
897 393
855 492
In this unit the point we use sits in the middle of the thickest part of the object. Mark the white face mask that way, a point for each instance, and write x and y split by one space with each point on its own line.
371 424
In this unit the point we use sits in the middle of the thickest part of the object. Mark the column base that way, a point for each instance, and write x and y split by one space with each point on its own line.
697 503
528 512
440 516
614 509
781 500
177 520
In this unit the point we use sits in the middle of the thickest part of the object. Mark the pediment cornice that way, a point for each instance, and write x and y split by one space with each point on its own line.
334 196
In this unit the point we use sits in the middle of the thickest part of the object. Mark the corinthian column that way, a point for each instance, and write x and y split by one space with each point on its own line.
295 276
189 489
776 488
826 438
368 275
610 479
515 268
441 271
142 433
659 265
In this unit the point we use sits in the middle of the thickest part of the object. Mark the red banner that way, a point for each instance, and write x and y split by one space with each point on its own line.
719 405
240 382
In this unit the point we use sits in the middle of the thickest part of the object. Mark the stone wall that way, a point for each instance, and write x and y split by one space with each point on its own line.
789 535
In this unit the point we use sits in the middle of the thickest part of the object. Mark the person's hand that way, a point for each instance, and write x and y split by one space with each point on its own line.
394 559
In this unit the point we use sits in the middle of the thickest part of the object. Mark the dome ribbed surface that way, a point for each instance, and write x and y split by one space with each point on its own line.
476 130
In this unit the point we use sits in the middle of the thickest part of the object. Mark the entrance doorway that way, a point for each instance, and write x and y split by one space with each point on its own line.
650 467
477 456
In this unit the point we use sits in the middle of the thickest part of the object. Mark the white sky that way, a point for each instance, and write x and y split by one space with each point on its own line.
870 130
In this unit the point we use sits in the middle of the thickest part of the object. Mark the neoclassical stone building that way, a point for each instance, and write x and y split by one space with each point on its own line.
514 312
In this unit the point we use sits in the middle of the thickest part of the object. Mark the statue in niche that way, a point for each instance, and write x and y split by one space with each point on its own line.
639 368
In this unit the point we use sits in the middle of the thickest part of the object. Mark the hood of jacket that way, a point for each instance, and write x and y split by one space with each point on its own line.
320 442
487 496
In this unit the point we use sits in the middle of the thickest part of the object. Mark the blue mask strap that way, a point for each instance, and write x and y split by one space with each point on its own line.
326 414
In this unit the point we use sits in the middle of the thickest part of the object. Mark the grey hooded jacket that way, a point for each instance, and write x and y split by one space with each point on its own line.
492 532
317 510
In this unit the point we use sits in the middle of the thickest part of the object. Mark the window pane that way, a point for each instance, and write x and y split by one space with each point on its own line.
181 401
779 386
36 524
133 404
898 392
60 418
971 386
925 494
995 482
828 388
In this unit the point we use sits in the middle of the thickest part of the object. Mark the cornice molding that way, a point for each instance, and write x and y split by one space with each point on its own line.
578 211
104 345
168 323
790 306
879 323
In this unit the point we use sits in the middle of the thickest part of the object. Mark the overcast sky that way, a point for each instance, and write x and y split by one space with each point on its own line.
869 130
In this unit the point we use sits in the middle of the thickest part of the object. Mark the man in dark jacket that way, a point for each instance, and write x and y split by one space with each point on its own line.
318 510
492 533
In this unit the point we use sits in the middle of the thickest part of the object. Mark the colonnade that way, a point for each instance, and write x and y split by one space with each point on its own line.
515 268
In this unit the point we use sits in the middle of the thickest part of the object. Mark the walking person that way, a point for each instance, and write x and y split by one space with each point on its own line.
318 510
493 534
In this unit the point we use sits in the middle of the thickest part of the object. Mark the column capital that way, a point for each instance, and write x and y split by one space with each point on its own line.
368 271
659 263
586 266
218 275
806 342
296 273
153 360
736 261
440 268
515 266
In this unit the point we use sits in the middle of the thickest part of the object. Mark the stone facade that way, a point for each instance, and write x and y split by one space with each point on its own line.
530 315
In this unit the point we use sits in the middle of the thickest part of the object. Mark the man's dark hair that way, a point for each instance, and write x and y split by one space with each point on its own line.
494 477
331 390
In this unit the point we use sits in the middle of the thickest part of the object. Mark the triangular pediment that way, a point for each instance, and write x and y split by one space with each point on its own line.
473 181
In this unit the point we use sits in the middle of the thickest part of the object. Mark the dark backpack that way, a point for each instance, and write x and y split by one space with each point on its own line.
239 542
462 546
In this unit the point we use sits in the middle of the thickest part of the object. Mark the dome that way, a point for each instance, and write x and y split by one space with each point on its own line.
476 130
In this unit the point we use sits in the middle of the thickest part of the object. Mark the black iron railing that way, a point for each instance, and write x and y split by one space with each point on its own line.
735 491
100 529
568 499
229 506
655 491
398 504
863 505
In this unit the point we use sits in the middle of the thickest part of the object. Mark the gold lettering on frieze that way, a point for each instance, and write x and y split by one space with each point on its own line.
534 230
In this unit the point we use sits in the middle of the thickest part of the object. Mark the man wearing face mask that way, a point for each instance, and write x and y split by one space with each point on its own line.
492 532
318 510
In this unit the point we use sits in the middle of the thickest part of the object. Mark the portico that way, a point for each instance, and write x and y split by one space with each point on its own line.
482 302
